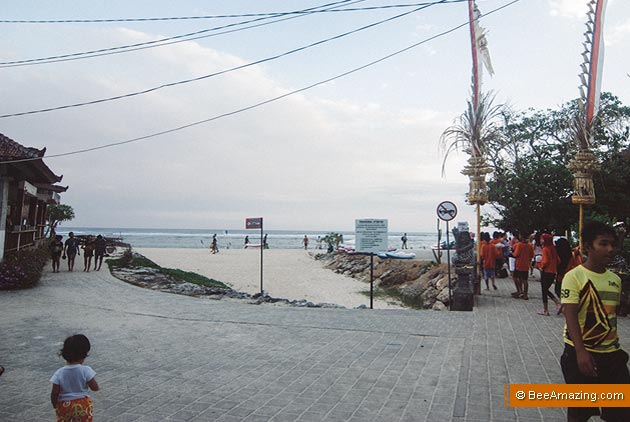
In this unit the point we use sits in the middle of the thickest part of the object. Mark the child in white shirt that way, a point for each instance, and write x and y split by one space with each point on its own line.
69 395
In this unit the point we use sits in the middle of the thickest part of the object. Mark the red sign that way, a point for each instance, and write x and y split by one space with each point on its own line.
253 223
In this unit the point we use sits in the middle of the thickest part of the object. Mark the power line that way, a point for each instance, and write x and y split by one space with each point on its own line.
146 91
265 102
201 17
170 40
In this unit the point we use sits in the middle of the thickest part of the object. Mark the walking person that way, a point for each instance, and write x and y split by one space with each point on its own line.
305 242
404 241
71 383
100 245
56 248
246 242
548 270
88 253
71 250
489 255
590 295
214 248
523 252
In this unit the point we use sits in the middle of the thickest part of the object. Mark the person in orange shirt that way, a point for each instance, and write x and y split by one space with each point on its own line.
548 270
489 256
523 252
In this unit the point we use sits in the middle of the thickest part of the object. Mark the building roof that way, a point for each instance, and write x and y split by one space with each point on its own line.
34 171
51 187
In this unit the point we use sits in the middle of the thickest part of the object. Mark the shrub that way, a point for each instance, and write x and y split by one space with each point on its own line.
22 269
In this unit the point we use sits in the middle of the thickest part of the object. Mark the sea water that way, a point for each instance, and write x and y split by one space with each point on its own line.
235 239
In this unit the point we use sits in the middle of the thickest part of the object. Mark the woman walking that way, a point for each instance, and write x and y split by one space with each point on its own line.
548 270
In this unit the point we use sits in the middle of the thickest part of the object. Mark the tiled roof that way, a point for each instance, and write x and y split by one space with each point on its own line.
9 149
34 171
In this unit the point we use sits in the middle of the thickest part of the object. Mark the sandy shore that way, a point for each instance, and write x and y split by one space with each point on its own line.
288 273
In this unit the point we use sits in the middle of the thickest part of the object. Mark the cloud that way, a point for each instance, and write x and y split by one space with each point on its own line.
568 8
618 33
304 161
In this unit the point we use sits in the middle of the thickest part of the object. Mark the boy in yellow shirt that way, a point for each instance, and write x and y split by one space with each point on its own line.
590 295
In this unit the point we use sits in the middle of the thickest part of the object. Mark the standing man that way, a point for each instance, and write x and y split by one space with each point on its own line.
71 250
100 244
404 241
590 295
523 252
305 241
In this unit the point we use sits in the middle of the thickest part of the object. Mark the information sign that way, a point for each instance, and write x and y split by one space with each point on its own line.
371 235
253 223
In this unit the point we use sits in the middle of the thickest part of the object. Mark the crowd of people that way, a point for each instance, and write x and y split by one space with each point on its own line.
93 247
586 292
522 254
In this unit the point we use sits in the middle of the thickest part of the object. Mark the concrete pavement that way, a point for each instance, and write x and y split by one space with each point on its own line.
165 357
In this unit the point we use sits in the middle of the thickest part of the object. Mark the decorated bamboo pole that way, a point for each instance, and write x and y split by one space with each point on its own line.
477 168
585 164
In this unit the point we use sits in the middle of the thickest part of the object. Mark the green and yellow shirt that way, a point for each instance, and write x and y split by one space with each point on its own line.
597 296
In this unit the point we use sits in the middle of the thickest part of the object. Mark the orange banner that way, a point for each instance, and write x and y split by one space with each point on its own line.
566 395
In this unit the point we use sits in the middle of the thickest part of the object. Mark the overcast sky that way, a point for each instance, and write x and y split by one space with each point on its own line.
362 146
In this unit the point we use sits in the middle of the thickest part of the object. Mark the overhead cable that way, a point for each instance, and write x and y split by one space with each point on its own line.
171 84
265 102
202 17
170 40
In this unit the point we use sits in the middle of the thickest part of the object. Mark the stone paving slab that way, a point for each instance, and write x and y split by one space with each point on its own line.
165 357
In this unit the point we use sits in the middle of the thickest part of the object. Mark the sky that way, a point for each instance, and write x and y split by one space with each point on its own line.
362 146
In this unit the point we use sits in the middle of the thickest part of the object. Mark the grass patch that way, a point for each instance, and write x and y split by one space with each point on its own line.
133 260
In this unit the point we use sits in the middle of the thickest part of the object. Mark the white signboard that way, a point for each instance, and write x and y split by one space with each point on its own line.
371 235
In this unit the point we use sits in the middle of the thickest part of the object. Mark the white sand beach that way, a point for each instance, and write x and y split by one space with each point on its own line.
287 273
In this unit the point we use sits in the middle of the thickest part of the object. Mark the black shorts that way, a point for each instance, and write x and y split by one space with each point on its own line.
521 274
611 368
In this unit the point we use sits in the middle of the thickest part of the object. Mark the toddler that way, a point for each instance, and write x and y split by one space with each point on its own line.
69 395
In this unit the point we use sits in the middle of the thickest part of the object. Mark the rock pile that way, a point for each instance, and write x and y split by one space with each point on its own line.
418 283
152 278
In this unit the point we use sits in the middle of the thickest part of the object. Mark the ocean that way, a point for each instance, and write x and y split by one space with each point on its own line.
229 239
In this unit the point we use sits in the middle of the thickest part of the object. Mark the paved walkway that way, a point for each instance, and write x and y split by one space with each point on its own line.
164 357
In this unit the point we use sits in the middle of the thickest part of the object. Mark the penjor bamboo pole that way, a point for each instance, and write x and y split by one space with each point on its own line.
580 225
478 248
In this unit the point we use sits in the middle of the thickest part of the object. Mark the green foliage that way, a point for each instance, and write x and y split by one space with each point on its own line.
134 260
531 186
57 213
23 269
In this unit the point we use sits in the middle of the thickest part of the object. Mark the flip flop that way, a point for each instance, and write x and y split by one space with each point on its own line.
558 310
543 313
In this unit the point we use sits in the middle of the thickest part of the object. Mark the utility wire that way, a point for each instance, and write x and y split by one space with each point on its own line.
265 102
169 40
171 84
243 15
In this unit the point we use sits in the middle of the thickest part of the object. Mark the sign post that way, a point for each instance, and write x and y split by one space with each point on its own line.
371 237
447 211
254 223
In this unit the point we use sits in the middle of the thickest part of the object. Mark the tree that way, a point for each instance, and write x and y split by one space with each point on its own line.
531 186
56 214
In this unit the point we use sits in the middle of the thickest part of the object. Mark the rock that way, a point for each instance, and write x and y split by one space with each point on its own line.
438 306
443 296
361 307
